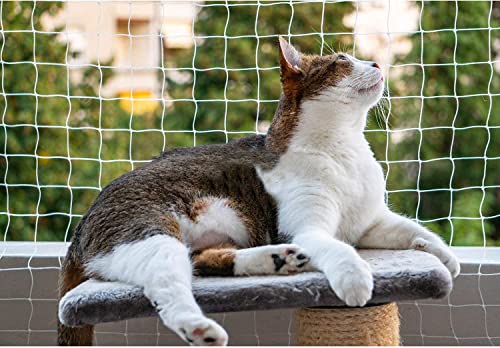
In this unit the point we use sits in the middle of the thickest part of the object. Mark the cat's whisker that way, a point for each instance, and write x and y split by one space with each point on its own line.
382 114
329 47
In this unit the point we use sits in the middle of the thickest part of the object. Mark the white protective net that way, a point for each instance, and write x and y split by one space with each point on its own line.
91 89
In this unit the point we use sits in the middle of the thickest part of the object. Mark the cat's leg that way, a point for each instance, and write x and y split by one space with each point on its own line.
266 259
162 266
271 259
348 274
311 220
394 231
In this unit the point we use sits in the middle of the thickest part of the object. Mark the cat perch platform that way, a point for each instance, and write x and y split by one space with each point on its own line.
398 276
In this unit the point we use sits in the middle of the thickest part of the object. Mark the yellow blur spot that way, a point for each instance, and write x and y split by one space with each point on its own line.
43 161
137 102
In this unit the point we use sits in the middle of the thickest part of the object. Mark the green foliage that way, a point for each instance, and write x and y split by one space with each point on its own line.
454 138
44 182
438 141
251 82
48 182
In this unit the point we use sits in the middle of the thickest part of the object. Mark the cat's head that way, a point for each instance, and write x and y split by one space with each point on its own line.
338 77
321 94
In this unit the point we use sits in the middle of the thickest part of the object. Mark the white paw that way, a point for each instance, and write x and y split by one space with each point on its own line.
352 282
203 332
442 252
288 259
270 259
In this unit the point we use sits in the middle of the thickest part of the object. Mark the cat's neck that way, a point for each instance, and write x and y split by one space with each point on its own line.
329 127
316 126
285 122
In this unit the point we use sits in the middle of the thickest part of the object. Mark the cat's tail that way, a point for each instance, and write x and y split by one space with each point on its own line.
72 274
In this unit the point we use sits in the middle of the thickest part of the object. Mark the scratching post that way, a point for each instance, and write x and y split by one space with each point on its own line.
376 325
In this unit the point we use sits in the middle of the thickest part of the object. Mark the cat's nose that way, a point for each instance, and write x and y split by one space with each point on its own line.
375 65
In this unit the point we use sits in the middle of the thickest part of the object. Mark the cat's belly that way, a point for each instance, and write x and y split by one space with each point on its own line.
212 222
208 239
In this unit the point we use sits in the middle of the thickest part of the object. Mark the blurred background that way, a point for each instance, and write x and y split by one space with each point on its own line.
91 90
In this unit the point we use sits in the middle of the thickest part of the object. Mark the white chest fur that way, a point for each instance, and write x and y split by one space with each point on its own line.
327 180
316 190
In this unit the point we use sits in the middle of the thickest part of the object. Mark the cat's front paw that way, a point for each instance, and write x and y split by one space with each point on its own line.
352 282
203 332
442 252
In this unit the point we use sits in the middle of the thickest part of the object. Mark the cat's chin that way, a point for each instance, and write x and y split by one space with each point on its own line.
372 95
374 88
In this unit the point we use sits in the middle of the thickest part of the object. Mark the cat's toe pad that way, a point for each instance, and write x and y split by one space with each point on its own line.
271 259
204 332
290 259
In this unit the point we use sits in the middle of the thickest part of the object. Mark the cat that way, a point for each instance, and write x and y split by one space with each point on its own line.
296 199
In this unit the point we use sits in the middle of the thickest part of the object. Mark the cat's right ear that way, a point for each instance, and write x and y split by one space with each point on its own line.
289 58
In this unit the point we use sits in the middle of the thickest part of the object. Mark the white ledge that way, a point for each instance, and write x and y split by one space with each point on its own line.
466 255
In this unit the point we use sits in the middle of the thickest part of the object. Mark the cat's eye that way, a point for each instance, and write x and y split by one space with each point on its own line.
344 58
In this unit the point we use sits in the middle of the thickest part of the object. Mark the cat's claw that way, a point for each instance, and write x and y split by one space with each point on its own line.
352 282
203 332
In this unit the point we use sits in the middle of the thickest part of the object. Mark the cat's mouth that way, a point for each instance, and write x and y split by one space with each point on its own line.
373 87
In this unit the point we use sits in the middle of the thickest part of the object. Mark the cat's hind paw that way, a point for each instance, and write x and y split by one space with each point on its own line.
203 332
289 259
271 259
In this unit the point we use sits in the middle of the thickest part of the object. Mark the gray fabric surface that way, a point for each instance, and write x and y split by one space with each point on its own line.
398 275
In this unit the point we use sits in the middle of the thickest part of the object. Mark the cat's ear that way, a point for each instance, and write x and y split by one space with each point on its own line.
289 58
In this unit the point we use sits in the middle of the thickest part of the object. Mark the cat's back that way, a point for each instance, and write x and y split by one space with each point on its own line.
216 169
175 182
209 165
249 150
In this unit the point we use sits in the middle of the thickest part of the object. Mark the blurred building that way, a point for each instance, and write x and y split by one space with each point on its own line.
382 28
130 38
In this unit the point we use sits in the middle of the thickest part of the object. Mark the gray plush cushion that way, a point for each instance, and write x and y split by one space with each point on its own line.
399 275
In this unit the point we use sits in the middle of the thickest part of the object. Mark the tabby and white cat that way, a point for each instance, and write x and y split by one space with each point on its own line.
312 182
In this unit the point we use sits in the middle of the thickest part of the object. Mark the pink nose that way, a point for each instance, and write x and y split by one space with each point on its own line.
375 65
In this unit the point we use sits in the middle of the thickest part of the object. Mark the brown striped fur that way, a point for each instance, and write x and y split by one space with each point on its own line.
301 78
215 261
72 275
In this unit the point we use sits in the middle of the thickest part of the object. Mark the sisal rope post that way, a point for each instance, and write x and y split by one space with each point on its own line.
368 326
